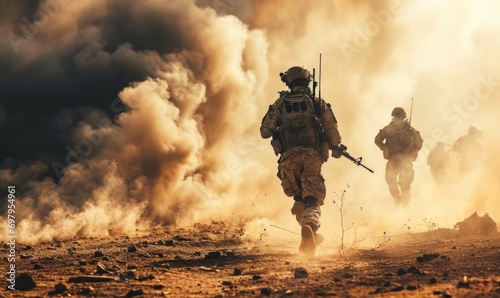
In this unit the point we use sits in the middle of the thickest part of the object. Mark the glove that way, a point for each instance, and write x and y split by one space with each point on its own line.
336 153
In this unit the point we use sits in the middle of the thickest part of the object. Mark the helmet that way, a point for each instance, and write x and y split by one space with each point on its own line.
474 130
295 73
399 113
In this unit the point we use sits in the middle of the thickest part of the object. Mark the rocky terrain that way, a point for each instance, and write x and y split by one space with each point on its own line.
214 261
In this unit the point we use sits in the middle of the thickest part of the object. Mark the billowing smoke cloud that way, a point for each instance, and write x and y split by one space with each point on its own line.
148 113
128 150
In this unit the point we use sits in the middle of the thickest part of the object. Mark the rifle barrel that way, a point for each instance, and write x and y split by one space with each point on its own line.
354 160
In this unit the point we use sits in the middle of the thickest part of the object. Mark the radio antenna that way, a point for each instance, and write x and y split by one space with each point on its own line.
319 79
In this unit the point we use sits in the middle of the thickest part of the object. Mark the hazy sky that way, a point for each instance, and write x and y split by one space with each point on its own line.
120 113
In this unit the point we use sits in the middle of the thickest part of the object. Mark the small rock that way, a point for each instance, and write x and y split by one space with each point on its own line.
411 287
82 262
86 291
237 271
128 275
98 254
160 242
348 275
106 258
160 255
213 255
387 284
401 271
24 282
337 279
414 270
300 272
226 283
266 291
432 280
427 257
397 289
197 253
463 285
453 247
37 266
157 286
169 243
133 293
25 256
60 288
132 248
256 277
27 247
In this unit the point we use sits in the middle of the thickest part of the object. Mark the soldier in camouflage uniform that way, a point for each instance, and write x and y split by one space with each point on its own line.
438 160
303 129
400 144
469 150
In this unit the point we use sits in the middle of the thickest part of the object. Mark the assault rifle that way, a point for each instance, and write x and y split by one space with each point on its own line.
343 150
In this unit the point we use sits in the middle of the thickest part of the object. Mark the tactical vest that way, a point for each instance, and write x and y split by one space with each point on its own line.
404 139
299 124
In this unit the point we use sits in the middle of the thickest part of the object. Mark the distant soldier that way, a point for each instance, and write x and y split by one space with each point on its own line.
469 150
438 160
400 144
303 129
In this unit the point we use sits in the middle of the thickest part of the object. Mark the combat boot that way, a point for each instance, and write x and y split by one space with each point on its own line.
308 243
310 224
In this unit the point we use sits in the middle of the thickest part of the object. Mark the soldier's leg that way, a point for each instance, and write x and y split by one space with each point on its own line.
391 177
313 191
298 209
406 178
289 172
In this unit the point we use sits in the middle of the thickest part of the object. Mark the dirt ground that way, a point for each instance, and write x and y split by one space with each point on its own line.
213 261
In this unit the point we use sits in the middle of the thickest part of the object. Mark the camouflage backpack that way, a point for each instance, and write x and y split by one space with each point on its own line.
405 139
299 124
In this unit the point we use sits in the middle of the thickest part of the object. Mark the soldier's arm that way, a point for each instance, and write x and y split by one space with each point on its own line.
269 122
380 138
329 123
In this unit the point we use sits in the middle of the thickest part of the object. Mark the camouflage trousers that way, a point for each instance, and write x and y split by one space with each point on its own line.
300 172
307 215
399 175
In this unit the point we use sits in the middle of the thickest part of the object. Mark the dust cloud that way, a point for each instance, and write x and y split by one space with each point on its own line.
185 146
